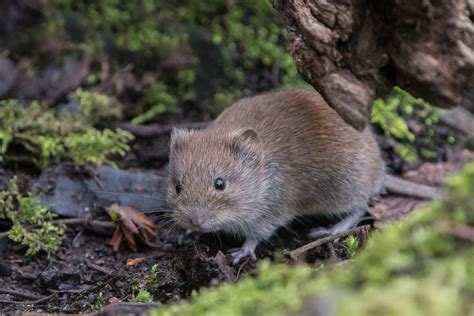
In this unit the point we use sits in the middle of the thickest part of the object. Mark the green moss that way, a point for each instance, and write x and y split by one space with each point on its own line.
42 136
352 245
411 268
96 106
152 280
95 146
99 301
143 297
31 223
158 100
248 37
389 115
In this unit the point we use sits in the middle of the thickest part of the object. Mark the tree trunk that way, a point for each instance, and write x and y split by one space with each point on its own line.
354 50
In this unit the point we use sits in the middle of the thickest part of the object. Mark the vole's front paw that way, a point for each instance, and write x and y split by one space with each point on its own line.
319 232
247 250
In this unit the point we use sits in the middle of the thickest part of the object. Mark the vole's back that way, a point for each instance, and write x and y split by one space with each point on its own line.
317 163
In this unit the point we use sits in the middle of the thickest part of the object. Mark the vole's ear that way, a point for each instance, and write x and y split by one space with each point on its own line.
244 135
178 138
246 144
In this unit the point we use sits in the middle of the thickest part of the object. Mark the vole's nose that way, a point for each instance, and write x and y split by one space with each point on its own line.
198 217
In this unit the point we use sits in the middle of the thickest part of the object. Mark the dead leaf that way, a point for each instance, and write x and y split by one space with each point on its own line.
393 208
221 262
129 237
116 239
131 223
131 262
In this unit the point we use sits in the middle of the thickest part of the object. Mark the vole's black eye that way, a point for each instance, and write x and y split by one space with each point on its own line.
219 184
178 188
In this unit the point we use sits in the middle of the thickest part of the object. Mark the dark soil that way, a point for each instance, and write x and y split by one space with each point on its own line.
85 274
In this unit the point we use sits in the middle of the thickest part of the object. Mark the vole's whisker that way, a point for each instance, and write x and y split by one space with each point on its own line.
171 228
164 223
157 210
159 218
125 193
214 234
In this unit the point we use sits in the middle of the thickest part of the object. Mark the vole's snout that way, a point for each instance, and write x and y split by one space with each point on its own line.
198 218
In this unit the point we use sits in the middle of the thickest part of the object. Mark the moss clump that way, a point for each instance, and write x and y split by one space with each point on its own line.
97 106
31 223
152 280
143 297
415 268
42 136
391 115
227 49
159 101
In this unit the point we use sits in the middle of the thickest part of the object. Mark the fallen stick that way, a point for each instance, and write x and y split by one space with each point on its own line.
97 226
38 301
294 254
20 294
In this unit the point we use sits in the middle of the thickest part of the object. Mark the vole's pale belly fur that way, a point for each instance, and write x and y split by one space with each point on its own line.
318 164
283 154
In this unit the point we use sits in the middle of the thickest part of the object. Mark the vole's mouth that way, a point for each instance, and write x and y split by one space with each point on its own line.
205 227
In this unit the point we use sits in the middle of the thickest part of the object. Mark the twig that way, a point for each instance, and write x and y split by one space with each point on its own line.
38 301
99 268
294 254
20 294
101 227
154 130
240 268
98 226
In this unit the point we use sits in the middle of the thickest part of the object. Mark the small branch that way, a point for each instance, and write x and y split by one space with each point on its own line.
97 226
19 294
38 301
294 254
154 130
99 268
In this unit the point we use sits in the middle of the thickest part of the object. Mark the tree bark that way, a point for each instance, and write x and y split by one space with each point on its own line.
354 50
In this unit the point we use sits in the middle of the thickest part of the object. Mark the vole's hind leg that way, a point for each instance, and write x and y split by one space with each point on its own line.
345 224
247 249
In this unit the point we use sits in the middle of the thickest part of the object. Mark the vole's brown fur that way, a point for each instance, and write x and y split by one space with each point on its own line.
281 155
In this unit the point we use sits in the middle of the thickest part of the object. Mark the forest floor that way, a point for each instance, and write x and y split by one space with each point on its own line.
86 274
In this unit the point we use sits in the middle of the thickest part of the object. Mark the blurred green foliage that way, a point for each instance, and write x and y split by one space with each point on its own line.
99 301
31 223
143 297
393 113
152 284
96 106
352 245
160 101
238 46
418 267
42 136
